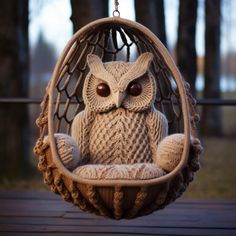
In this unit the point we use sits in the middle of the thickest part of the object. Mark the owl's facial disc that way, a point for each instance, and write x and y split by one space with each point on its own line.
134 89
116 84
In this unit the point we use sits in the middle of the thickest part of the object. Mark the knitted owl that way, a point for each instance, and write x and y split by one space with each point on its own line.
119 124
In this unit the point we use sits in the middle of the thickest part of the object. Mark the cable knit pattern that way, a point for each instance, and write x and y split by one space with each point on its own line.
129 134
67 149
119 137
126 135
169 152
111 172
157 129
80 131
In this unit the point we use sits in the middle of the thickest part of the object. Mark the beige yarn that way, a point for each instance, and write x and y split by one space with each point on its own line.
121 198
80 131
169 152
108 134
136 70
120 136
118 75
102 135
67 149
136 171
158 129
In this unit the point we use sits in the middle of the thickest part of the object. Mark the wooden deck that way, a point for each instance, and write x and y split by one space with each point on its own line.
33 213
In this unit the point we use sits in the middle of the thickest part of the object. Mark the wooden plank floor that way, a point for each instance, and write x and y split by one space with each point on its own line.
34 213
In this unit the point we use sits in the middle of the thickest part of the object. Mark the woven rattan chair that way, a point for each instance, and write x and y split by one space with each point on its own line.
112 39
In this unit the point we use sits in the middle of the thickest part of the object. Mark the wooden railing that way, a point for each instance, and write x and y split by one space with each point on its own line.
200 102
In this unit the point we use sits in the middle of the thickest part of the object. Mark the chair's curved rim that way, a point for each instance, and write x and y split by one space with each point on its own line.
177 77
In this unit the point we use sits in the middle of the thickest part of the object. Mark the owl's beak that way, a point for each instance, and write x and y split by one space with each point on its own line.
118 98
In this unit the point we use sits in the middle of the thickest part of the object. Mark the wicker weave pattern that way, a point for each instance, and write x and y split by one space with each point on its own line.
114 39
112 42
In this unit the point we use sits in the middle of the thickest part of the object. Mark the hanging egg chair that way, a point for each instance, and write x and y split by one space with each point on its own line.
115 39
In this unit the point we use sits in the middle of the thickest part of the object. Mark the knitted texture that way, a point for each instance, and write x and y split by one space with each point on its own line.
67 149
119 136
128 133
157 129
116 37
169 152
80 131
118 75
112 172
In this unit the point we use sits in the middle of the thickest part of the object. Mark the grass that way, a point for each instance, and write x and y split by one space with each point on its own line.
217 177
35 184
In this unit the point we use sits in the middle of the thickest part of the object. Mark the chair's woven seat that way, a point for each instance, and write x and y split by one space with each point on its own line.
138 171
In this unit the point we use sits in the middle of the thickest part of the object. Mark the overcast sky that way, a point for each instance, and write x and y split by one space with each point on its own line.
53 19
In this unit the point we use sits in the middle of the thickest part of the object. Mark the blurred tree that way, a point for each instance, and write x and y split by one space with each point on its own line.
43 57
14 79
42 62
228 63
151 14
211 116
85 11
186 50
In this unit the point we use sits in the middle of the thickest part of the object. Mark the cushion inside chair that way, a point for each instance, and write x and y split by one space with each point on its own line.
138 171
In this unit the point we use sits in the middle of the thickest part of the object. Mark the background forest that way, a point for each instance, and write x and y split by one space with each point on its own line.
199 34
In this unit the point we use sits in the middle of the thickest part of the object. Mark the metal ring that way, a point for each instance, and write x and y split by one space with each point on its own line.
116 13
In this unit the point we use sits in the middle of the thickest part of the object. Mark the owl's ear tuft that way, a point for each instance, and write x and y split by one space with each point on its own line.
95 64
144 59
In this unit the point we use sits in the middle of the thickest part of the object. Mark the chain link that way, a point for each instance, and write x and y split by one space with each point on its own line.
116 12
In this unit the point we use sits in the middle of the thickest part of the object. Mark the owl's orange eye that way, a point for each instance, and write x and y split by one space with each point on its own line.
103 90
134 89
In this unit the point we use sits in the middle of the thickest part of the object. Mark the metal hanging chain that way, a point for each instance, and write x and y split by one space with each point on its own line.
116 12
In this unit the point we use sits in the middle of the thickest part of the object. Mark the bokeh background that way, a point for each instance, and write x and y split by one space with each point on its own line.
200 35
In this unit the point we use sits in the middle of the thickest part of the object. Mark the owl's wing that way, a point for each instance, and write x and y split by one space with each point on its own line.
68 151
157 128
80 131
